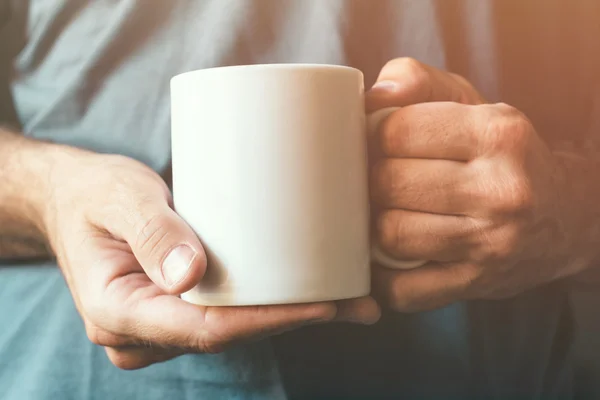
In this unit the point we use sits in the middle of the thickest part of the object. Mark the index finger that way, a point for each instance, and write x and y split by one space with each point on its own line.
122 300
135 307
446 131
426 288
239 324
179 324
150 316
172 322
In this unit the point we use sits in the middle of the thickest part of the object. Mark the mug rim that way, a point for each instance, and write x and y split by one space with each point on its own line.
269 66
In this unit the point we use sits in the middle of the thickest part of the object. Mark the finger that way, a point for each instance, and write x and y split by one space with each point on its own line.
446 131
135 307
131 358
130 309
425 288
362 311
227 325
102 337
422 236
406 81
166 247
433 186
131 305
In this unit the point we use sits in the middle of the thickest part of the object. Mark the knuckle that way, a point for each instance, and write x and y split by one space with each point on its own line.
207 341
502 190
415 76
507 128
152 233
521 196
476 190
102 337
504 244
93 334
214 348
124 360
467 277
516 123
481 234
507 110
408 67
209 344
515 197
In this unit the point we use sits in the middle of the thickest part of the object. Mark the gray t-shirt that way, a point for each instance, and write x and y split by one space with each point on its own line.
95 74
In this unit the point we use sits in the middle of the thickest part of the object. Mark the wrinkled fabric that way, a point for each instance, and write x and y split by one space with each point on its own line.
95 74
45 354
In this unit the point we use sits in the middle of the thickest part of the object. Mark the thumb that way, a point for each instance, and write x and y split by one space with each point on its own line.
166 247
406 81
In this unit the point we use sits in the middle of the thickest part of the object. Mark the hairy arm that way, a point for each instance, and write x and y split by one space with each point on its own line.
24 187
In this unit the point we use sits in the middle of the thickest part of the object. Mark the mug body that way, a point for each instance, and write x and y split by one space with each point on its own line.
270 170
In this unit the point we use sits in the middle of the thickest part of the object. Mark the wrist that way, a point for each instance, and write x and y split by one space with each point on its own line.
27 173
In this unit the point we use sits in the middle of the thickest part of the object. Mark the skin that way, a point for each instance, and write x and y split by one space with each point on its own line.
472 187
109 222
465 184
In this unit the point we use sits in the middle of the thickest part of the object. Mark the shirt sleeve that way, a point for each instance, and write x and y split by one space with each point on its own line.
12 36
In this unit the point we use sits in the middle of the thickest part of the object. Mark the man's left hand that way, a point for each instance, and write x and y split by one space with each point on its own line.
471 187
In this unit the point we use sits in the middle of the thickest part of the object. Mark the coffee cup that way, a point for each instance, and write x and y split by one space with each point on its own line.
270 169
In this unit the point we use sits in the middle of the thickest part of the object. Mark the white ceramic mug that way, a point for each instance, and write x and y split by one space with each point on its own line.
270 170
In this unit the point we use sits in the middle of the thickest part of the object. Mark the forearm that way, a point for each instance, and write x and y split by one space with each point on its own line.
25 167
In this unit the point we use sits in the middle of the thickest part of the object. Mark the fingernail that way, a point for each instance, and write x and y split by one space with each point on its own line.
177 264
385 86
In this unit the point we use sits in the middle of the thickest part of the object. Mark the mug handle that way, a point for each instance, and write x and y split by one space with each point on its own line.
377 254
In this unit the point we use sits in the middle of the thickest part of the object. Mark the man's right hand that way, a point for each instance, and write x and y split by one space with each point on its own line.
126 255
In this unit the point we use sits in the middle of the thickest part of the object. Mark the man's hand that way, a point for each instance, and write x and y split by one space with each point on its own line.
126 255
474 189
